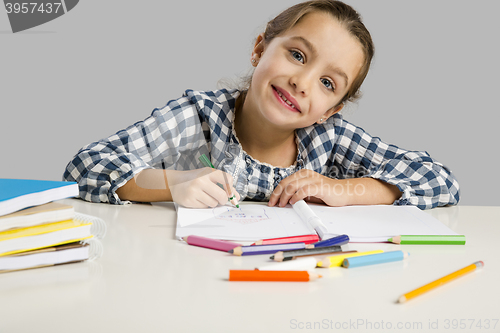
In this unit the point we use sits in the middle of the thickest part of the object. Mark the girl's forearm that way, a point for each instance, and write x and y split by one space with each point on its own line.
150 185
365 191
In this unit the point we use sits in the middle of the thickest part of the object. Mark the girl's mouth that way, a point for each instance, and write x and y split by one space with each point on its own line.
284 100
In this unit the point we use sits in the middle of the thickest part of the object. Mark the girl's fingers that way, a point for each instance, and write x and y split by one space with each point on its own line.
204 200
287 188
222 177
284 185
217 193
236 194
292 188
308 191
279 193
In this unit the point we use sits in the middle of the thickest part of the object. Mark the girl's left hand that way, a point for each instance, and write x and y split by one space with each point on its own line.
309 185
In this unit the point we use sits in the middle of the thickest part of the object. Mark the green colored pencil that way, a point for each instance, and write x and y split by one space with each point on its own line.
206 162
429 239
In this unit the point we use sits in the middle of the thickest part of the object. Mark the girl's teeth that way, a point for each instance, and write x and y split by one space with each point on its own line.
286 101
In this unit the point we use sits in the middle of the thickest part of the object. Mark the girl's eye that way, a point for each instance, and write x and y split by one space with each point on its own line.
328 84
297 56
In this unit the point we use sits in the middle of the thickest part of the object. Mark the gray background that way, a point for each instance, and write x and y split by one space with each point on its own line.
107 64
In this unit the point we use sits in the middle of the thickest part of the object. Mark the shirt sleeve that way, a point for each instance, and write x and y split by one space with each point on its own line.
423 181
101 167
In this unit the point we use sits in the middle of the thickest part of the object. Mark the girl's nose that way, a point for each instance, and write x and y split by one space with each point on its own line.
301 83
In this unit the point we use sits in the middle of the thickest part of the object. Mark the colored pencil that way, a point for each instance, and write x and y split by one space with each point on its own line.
303 264
338 240
279 258
209 243
308 239
256 275
231 197
441 281
281 255
265 249
336 261
373 259
429 239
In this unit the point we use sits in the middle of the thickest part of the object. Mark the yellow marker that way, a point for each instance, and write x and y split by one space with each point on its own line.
336 261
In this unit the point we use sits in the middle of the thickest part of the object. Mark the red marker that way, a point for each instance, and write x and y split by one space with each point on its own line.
308 239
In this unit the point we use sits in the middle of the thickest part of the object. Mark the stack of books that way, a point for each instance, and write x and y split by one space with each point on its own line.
37 232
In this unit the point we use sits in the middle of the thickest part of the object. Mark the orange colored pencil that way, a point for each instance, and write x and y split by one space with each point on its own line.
440 282
256 275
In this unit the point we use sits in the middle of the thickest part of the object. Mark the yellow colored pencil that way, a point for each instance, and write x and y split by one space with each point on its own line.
336 261
440 282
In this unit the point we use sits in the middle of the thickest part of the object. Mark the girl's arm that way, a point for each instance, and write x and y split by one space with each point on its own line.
170 138
193 188
314 187
349 159
422 181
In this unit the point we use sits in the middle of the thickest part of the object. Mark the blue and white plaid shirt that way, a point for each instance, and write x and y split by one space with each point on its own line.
174 136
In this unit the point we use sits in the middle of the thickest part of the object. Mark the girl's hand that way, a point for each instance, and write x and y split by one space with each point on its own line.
198 188
311 186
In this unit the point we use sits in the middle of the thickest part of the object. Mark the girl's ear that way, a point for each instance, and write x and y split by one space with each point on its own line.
258 49
331 112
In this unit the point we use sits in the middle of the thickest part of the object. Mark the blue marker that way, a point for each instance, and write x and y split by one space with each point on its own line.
338 240
374 259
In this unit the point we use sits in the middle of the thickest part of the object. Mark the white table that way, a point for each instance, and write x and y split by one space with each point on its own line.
149 282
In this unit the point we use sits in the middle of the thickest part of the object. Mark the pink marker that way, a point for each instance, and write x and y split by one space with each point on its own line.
210 243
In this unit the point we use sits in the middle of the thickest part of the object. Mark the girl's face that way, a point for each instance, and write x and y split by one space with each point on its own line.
302 75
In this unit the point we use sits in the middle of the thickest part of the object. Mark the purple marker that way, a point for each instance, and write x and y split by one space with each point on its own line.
266 249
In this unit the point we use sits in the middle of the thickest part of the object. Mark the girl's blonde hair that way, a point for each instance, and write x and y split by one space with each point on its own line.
346 16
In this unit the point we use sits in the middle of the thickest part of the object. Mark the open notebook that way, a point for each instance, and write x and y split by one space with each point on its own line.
252 222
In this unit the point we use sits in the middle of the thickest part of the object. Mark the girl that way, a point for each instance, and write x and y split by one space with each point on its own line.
280 140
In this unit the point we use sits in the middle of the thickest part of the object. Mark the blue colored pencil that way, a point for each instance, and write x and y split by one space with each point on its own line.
265 249
338 240
374 259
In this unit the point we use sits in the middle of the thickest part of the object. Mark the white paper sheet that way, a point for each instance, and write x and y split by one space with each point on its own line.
379 223
247 223
252 222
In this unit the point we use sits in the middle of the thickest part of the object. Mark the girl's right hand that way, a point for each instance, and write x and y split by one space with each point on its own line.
198 188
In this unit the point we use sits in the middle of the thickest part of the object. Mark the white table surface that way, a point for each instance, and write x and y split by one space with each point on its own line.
147 281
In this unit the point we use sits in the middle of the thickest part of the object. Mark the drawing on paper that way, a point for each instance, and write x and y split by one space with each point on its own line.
240 215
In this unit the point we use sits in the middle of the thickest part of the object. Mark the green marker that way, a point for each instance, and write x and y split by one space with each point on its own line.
429 239
206 162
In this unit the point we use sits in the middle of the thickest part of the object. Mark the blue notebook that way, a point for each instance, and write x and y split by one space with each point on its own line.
17 194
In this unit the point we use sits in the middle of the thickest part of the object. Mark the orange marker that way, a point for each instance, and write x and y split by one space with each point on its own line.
256 275
441 281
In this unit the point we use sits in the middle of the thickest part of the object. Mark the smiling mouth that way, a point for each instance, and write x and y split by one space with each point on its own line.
286 100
